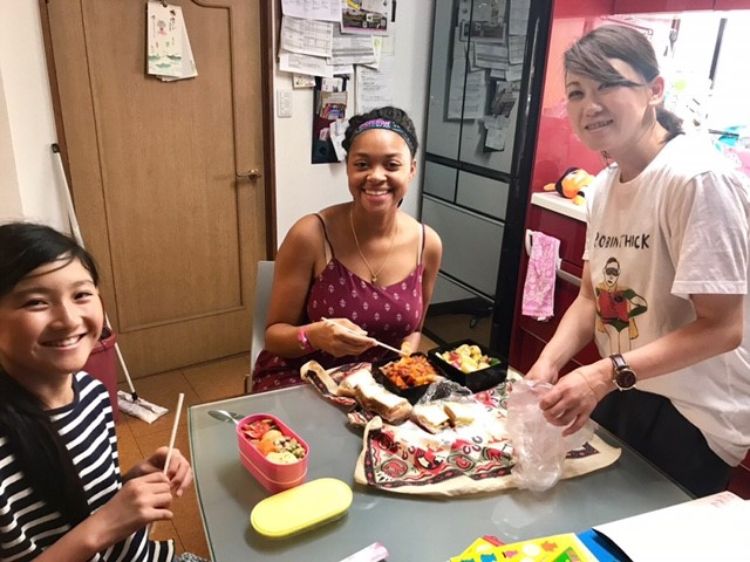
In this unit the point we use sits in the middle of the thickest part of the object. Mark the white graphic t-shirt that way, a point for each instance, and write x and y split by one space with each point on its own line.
680 228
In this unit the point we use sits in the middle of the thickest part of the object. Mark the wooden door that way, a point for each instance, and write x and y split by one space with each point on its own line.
154 169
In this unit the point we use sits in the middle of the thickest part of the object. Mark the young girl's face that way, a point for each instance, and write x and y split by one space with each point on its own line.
379 167
50 321
612 117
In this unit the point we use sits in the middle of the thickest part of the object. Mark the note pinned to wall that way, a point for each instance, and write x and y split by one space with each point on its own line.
374 88
169 56
323 10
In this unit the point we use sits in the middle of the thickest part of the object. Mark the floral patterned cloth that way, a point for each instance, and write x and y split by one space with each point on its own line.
388 314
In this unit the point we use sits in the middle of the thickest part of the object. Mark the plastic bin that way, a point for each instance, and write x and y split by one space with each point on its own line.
102 365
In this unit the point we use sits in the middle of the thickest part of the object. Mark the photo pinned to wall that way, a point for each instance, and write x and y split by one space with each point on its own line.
484 22
303 82
329 119
169 56
365 16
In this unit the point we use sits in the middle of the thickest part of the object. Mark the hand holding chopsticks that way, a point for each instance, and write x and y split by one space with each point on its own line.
373 340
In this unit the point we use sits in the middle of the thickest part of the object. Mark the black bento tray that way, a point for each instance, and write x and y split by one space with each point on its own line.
477 380
413 393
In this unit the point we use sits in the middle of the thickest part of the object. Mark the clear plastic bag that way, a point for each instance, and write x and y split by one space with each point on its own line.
539 446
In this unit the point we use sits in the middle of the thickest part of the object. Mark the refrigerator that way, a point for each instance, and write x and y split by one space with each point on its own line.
486 71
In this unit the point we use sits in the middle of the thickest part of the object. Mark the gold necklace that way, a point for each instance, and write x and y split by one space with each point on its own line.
373 274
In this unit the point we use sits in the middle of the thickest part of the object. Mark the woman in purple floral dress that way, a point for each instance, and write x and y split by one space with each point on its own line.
354 271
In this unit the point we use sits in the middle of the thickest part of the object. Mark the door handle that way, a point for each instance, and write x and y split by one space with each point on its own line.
251 175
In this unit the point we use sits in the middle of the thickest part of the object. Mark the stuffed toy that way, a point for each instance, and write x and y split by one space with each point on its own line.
572 185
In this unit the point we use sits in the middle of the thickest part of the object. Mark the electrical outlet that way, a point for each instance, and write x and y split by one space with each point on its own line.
284 103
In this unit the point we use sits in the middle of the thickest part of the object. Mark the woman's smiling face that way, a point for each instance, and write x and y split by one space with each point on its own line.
379 166
612 116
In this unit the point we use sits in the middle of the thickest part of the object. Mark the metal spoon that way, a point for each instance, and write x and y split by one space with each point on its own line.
225 416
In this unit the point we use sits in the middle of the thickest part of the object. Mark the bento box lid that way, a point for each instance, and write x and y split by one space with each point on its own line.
301 508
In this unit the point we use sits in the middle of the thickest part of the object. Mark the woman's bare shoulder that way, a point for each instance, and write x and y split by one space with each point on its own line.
433 245
305 233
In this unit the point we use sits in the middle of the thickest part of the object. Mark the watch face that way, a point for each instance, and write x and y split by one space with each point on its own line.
625 378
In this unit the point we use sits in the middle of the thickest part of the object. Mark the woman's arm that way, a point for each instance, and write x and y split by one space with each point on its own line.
139 502
293 274
575 330
717 328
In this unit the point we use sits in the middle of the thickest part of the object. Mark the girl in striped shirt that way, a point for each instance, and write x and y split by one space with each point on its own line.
61 493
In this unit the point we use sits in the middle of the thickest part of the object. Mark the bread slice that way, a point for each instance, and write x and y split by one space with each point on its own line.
352 381
390 407
459 413
431 417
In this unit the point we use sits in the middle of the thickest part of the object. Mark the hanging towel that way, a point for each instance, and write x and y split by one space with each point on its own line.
539 287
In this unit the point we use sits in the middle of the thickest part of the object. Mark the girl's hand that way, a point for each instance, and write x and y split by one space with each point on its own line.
140 501
179 472
575 396
339 337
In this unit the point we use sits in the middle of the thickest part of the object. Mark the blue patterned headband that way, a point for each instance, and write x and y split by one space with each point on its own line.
388 125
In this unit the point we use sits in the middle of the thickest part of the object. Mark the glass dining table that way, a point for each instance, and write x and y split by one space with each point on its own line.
412 528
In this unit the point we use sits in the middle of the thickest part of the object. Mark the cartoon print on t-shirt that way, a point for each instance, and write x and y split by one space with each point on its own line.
617 307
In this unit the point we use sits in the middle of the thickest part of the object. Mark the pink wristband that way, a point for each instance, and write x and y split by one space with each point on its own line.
304 343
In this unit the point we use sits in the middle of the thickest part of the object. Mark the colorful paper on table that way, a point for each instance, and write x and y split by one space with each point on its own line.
483 545
557 548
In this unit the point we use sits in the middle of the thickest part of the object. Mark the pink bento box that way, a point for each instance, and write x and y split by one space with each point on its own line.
272 476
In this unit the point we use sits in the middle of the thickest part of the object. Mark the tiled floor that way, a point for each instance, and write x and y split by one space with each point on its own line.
200 383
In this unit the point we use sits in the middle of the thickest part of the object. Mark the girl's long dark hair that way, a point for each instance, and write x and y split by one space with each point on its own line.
36 445
589 56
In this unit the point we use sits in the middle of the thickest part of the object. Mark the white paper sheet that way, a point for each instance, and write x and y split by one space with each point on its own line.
377 44
304 64
306 37
710 528
495 139
324 10
490 55
374 88
516 48
514 72
519 17
352 49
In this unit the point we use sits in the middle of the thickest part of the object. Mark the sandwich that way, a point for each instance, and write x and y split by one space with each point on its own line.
431 417
460 413
375 398
353 380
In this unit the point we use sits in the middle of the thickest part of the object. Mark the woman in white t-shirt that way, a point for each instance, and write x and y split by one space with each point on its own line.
664 280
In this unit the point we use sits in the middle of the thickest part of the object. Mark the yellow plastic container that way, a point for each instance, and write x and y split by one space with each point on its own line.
301 508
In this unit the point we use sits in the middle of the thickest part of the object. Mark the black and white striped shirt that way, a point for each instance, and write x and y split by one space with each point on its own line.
28 525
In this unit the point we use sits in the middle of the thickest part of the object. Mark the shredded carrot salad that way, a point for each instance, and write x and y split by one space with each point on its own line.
410 371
